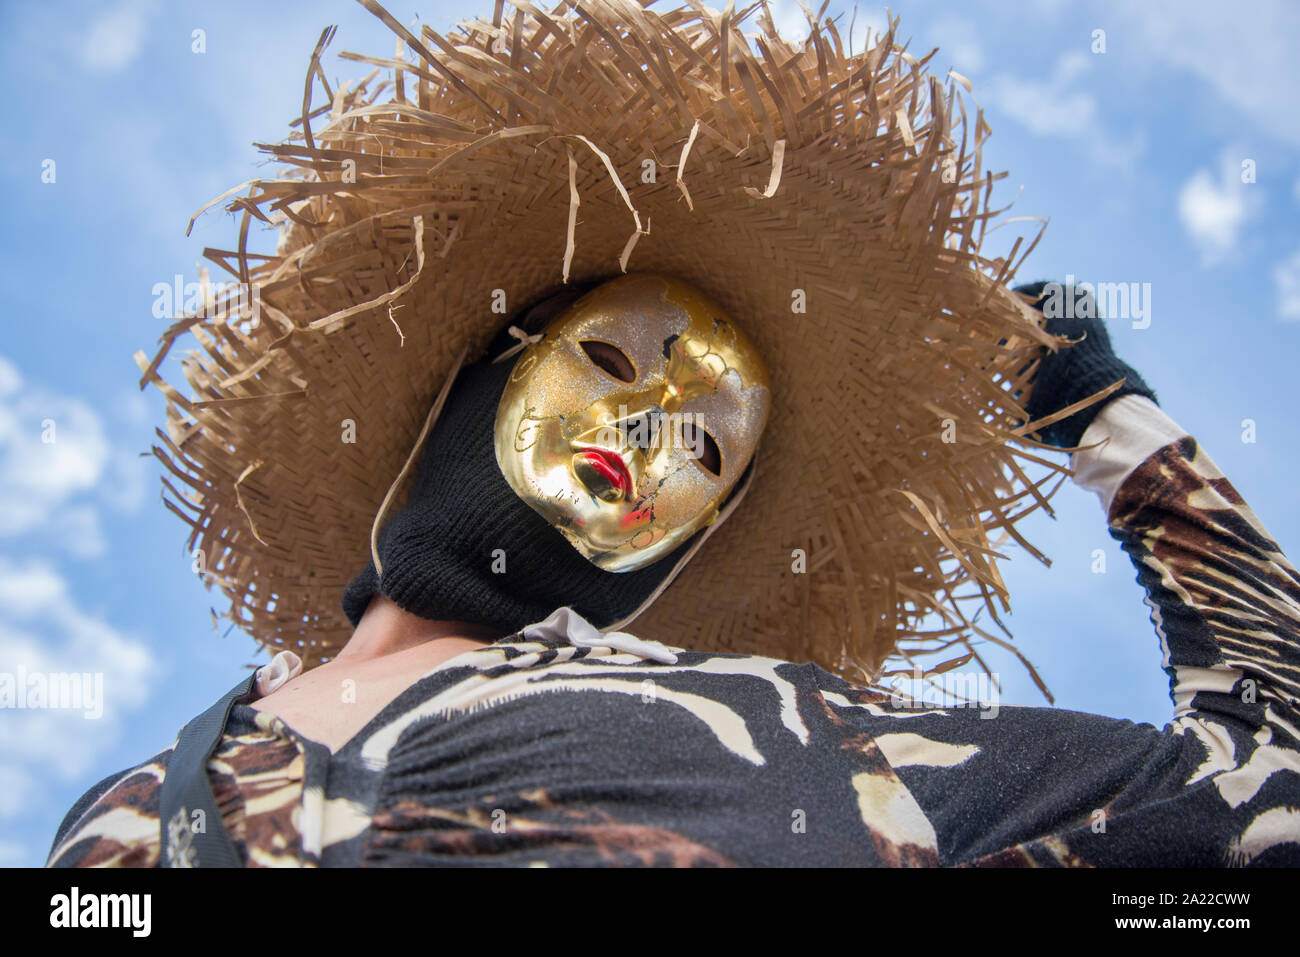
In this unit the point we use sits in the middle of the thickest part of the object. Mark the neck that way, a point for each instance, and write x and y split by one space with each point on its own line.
387 629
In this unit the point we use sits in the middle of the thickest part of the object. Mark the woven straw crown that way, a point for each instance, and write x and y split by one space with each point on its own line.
830 202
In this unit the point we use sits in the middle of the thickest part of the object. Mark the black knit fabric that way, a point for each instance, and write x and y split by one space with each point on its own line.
1070 374
437 553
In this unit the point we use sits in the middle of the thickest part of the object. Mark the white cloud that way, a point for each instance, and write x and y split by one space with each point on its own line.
114 40
1053 108
132 408
10 378
77 529
56 461
1286 280
1247 56
25 591
958 40
45 631
790 20
124 486
51 448
792 23
1057 107
1213 208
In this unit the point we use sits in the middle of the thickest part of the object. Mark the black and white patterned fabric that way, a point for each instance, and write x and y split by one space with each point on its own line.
557 747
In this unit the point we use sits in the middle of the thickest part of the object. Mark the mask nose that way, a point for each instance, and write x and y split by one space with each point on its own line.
642 429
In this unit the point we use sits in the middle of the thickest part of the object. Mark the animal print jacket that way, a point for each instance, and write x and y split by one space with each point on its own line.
542 749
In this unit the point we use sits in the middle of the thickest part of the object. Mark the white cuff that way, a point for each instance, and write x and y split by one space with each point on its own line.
1136 428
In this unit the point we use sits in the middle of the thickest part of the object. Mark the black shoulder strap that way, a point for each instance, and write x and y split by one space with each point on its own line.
193 834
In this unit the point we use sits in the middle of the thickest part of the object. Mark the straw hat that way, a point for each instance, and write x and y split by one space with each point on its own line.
831 202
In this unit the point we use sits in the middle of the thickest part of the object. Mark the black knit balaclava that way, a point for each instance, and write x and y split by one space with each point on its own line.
466 548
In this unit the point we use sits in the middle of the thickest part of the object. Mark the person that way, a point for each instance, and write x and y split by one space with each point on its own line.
558 744
593 633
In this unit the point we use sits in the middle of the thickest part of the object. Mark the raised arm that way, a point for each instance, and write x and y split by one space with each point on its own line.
1225 601
1220 783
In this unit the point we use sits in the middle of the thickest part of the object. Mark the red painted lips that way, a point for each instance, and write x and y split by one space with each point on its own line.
610 467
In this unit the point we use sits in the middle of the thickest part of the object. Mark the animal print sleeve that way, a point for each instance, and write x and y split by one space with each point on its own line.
115 823
1225 601
1217 785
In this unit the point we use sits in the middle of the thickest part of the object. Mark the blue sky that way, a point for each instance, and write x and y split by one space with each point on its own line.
1134 155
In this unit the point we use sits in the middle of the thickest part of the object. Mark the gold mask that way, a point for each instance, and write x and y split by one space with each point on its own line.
628 423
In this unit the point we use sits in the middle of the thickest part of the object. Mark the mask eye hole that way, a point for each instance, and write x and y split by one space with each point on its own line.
610 358
703 446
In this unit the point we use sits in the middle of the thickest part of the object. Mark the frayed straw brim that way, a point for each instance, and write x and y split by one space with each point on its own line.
511 155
